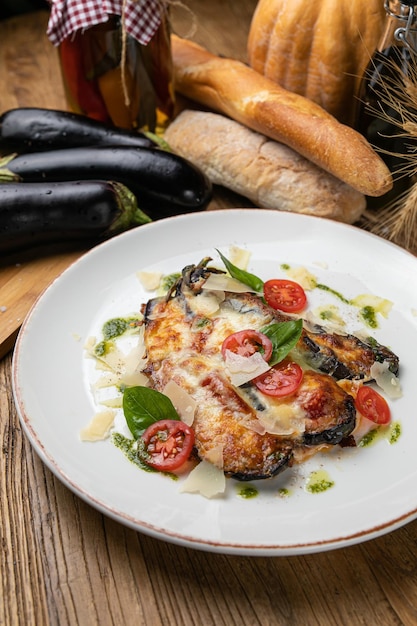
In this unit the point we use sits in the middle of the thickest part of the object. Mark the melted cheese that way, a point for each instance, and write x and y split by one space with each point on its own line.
284 419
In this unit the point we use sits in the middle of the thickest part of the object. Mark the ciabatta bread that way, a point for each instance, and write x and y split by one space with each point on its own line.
270 174
234 89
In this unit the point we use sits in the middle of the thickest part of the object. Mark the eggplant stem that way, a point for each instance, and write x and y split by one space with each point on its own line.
6 175
130 213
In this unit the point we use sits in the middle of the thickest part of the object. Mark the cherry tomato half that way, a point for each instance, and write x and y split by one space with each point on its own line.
285 295
168 444
281 380
372 405
247 342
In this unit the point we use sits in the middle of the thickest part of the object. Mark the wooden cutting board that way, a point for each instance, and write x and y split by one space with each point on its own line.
30 76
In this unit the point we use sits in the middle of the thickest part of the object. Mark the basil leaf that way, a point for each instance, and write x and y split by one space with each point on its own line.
246 278
143 406
284 336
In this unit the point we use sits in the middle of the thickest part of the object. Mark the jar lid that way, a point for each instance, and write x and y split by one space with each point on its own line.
141 18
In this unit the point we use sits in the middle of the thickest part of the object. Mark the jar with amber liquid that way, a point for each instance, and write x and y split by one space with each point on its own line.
112 77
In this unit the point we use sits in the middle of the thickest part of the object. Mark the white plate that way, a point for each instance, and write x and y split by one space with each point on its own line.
374 488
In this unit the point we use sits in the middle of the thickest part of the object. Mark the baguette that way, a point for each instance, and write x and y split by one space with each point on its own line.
232 88
270 174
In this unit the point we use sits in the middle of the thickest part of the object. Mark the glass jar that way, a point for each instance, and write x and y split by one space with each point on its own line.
109 76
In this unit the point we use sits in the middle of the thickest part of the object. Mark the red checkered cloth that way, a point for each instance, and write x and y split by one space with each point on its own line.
141 17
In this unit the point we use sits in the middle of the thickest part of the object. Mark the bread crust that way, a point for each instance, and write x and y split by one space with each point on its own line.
270 174
316 49
234 89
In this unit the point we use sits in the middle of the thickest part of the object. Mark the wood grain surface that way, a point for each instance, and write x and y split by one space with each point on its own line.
62 562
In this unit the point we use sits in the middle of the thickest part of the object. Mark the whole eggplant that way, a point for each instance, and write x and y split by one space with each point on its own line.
164 183
34 130
36 214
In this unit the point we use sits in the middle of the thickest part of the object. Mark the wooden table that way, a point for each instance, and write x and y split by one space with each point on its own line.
62 562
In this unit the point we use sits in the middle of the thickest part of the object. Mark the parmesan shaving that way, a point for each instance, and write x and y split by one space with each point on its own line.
113 403
106 380
206 479
222 282
215 456
183 403
99 427
150 280
242 369
239 257
386 380
303 277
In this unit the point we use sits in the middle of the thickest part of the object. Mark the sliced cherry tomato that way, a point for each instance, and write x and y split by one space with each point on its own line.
281 380
247 342
285 295
372 405
168 444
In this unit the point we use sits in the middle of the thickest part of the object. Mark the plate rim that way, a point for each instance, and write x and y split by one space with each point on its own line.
159 532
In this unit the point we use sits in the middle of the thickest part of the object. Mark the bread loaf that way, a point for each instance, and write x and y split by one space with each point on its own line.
317 49
270 174
230 87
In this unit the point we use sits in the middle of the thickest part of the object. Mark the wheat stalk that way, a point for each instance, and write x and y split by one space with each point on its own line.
397 221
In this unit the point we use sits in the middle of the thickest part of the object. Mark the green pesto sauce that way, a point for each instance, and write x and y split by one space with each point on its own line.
132 452
394 432
285 266
248 492
337 294
111 330
390 433
169 280
370 438
118 326
103 347
129 449
284 492
201 323
319 481
326 315
368 314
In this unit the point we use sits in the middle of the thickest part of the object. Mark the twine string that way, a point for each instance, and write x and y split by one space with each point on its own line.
164 6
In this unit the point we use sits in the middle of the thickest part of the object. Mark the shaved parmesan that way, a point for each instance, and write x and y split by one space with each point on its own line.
106 380
99 427
150 280
215 456
239 257
386 380
183 403
303 277
206 479
242 369
113 403
222 282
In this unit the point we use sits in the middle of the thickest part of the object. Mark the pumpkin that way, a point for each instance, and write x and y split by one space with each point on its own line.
316 49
